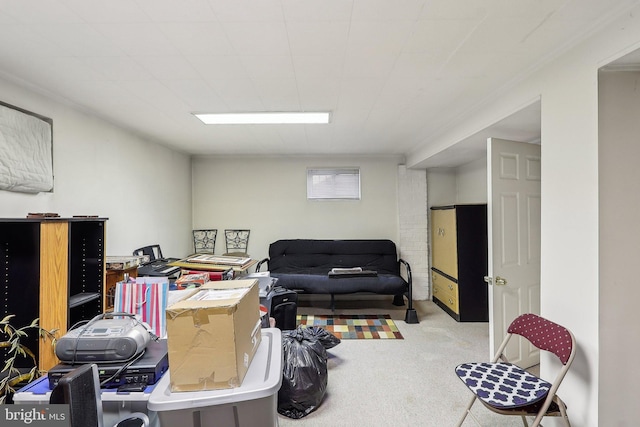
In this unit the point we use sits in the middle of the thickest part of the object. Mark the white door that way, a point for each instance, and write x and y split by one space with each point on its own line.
513 170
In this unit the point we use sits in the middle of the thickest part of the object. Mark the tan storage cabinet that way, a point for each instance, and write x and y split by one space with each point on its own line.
459 261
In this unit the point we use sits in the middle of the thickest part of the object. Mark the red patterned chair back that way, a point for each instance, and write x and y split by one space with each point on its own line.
544 334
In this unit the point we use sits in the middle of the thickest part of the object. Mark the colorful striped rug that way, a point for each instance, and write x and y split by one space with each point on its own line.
361 326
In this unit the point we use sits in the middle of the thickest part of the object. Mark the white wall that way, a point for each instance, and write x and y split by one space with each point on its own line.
471 182
99 169
269 196
619 251
460 185
441 187
570 245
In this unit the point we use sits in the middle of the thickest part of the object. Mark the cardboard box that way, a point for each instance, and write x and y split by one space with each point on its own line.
212 335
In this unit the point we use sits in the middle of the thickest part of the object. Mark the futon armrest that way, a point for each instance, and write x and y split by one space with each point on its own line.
408 270
411 315
259 264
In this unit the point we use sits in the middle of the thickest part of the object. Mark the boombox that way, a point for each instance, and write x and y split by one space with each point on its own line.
104 340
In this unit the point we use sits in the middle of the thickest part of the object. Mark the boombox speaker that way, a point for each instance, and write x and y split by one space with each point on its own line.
104 340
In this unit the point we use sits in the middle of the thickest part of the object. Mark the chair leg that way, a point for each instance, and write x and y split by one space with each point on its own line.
563 412
524 421
467 411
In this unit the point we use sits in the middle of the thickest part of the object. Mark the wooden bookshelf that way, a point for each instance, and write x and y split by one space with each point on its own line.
54 269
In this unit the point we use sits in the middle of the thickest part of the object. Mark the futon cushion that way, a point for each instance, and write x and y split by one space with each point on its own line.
385 284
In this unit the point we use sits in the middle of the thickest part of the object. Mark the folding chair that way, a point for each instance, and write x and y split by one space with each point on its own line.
507 389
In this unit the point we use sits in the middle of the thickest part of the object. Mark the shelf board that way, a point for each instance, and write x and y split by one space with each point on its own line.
82 298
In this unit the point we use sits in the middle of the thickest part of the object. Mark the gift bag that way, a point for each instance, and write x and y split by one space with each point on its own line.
146 297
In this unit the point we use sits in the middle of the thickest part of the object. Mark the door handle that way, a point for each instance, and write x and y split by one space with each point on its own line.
499 281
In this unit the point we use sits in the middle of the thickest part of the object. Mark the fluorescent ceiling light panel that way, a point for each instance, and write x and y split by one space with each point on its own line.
263 118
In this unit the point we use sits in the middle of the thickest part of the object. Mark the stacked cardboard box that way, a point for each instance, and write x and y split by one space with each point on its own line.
212 335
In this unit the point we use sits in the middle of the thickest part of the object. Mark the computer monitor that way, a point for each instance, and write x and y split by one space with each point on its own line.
80 389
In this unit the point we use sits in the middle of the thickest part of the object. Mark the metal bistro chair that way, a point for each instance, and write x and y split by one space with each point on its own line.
507 389
204 241
237 242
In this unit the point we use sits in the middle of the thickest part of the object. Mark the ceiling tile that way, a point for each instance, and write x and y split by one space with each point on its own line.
197 38
112 11
325 10
277 67
448 10
416 67
257 38
318 38
278 94
239 95
525 9
35 11
218 67
359 93
247 10
173 67
197 94
318 94
137 39
118 68
439 37
177 11
378 37
78 39
498 35
153 93
369 66
383 10
314 67
24 40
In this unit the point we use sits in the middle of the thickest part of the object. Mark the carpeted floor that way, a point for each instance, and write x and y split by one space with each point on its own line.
408 382
354 326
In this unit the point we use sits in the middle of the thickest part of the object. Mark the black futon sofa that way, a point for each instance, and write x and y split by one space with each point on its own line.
305 265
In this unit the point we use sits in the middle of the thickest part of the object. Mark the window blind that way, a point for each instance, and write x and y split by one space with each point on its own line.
333 183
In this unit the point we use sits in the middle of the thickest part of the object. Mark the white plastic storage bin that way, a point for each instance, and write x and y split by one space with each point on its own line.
253 404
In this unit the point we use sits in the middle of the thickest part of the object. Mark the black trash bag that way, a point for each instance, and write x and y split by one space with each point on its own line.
304 379
327 339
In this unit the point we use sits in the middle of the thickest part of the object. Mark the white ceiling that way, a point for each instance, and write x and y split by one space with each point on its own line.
392 72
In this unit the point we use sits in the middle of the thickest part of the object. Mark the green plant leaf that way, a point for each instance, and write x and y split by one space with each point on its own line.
7 318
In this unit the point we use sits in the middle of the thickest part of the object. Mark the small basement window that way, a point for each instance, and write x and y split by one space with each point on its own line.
333 183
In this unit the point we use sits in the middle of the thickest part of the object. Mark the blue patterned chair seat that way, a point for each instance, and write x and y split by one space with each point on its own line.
503 385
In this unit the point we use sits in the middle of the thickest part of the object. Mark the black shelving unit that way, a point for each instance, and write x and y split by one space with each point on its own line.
52 269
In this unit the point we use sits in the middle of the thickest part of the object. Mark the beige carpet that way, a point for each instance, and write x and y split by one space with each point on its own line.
409 382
